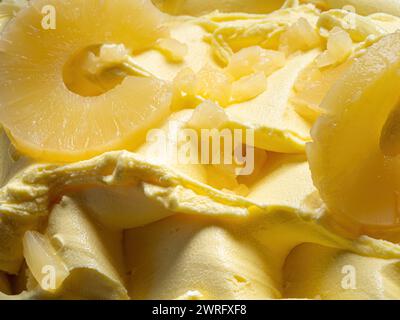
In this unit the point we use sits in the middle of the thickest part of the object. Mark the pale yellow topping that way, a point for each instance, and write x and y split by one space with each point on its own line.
208 115
249 87
255 59
174 50
339 48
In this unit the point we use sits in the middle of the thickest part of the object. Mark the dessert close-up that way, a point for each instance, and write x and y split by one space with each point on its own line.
200 149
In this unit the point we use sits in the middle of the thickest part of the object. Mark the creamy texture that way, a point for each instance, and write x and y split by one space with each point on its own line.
198 7
135 224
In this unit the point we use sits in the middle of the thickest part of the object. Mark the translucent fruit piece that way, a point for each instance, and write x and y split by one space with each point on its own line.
214 84
46 120
339 48
208 115
312 86
354 175
253 59
300 36
108 55
185 89
174 50
249 87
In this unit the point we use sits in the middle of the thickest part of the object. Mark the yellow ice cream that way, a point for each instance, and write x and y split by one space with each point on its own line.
135 224
197 7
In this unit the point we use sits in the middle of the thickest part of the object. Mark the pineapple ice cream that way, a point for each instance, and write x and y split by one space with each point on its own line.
101 105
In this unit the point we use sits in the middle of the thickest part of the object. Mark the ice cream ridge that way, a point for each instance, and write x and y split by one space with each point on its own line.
199 149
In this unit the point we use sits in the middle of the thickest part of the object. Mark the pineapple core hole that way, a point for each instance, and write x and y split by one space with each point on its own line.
96 70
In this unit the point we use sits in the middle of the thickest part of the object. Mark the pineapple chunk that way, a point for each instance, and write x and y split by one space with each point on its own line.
185 89
218 85
300 36
174 50
312 86
210 83
185 82
45 119
43 261
249 87
253 59
214 84
208 115
339 48
308 111
353 158
108 55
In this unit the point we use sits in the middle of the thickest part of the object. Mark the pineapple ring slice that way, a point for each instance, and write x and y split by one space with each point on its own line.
47 121
354 159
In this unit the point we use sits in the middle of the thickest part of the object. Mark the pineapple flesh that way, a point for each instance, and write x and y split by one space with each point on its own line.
354 158
49 120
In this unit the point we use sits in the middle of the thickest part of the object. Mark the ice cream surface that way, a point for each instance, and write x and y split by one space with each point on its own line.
92 206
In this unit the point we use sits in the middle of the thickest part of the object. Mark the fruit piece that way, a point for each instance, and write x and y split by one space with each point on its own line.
208 115
185 89
108 55
253 59
249 87
353 174
43 261
95 71
312 86
339 48
277 126
359 28
8 9
174 50
45 119
270 61
185 82
300 36
214 84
